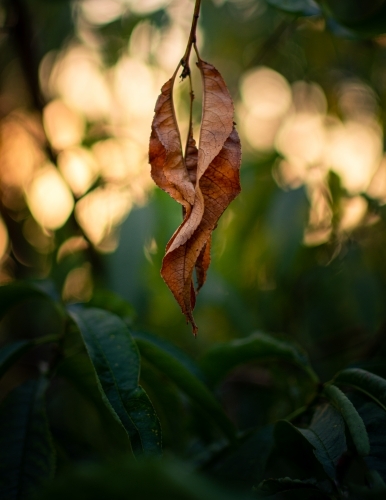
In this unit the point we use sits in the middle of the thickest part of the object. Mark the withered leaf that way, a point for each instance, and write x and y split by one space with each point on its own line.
165 154
220 184
212 171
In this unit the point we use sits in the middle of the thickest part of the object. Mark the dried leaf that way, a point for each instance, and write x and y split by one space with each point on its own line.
213 170
165 155
220 184
202 264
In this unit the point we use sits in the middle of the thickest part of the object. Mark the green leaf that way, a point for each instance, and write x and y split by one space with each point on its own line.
116 361
375 420
10 353
292 488
182 371
110 301
326 435
370 384
297 452
27 456
78 370
352 418
244 466
222 358
141 479
17 292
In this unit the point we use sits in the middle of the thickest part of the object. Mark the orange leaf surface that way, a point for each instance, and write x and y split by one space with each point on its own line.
213 170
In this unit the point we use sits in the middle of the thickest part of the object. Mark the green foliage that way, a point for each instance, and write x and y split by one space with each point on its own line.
116 361
352 418
219 360
27 455
101 360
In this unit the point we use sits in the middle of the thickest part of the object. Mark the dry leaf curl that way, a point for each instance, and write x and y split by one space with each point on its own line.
204 181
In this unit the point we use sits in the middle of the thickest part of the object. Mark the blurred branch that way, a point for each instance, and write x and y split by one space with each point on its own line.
191 40
26 43
272 41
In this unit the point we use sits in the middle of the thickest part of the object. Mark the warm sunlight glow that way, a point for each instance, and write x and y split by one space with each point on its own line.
3 239
78 168
355 151
71 246
353 211
64 126
20 152
377 187
77 77
357 101
78 285
102 209
49 198
134 87
266 97
309 98
101 11
145 6
302 139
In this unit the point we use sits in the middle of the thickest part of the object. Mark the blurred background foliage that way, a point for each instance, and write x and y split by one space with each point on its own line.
299 253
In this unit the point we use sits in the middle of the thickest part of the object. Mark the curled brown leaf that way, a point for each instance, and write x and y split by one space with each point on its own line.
212 171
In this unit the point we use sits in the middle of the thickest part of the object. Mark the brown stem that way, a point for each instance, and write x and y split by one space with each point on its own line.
191 40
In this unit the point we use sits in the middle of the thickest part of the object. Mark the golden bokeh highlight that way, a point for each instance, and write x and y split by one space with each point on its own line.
100 211
64 126
354 153
78 285
79 168
266 98
49 198
294 120
4 240
71 246
78 79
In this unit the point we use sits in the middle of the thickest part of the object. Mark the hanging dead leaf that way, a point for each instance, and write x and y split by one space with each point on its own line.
165 155
212 171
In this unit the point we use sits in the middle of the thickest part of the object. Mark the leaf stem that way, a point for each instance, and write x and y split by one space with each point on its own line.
191 40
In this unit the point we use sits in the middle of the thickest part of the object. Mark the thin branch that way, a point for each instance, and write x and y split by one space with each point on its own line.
191 40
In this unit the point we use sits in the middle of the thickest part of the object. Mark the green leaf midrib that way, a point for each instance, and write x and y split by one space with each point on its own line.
115 386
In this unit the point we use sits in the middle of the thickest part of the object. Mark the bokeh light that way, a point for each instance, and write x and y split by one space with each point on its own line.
79 168
64 126
266 97
49 198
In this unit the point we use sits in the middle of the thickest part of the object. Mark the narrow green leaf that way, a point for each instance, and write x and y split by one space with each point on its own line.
116 361
375 421
352 418
27 456
222 358
297 451
370 384
182 371
326 435
79 372
10 353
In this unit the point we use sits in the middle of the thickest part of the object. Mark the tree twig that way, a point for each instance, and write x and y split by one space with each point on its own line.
191 40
